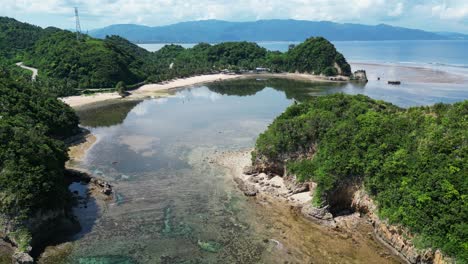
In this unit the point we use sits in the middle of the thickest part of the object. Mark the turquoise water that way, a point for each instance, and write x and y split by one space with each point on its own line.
174 204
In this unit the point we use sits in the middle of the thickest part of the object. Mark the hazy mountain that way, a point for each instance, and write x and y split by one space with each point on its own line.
265 30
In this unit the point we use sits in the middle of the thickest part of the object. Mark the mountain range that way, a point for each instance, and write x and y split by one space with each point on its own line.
214 31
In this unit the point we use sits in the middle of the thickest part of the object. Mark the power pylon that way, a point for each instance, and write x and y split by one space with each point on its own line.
78 26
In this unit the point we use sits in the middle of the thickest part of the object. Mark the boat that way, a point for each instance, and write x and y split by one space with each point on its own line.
394 82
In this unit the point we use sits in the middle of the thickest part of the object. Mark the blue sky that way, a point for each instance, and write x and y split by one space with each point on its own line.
432 15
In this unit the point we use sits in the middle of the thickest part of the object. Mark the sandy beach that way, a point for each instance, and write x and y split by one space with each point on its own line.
387 72
159 89
146 90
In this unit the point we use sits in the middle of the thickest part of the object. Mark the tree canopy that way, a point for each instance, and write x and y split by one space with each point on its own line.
412 161
67 65
32 154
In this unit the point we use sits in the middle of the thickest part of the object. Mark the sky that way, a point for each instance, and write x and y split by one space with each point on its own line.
431 15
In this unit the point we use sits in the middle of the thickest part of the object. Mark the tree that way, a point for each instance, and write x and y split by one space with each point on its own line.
121 89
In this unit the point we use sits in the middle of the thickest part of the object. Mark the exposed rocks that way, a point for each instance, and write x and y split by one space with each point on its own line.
249 170
396 237
294 186
104 187
80 176
247 189
349 202
319 215
359 76
22 258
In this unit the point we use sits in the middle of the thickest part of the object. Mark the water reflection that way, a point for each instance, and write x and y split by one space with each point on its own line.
106 115
173 204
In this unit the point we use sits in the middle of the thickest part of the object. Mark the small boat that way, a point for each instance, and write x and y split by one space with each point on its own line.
394 82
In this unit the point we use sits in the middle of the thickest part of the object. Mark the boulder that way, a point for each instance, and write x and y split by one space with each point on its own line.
249 170
22 258
320 215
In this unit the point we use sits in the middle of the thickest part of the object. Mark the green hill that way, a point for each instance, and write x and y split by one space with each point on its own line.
67 65
412 161
17 37
32 154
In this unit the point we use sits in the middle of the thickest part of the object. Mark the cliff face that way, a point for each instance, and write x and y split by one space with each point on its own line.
396 237
345 206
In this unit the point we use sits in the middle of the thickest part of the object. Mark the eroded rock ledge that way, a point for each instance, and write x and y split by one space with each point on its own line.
349 205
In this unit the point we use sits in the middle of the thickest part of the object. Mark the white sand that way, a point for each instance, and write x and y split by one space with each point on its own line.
146 90
159 88
80 100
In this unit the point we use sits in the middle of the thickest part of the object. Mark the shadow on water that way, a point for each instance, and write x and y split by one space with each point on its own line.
85 209
84 213
106 115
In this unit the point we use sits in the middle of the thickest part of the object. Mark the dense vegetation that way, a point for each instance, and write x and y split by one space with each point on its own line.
32 153
16 37
412 161
68 65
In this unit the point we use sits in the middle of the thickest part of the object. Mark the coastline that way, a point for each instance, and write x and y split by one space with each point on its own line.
385 71
286 192
162 89
411 73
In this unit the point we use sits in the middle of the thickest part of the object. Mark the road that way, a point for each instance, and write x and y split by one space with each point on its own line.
34 70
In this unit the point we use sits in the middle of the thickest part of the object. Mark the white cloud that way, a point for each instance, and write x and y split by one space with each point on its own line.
448 14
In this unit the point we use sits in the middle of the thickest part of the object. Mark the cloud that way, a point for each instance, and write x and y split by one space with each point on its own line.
448 14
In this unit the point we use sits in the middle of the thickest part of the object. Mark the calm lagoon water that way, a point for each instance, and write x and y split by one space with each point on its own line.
430 71
174 205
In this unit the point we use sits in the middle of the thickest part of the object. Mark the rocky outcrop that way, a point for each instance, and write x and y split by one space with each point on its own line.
359 76
102 186
345 206
396 237
318 215
247 189
22 258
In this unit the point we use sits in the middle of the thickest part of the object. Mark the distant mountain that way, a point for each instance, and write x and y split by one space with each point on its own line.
265 30
453 35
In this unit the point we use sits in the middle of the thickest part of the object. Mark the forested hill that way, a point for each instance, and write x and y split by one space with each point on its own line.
67 64
32 154
413 162
214 31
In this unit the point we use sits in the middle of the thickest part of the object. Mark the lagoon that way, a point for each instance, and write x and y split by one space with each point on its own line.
174 204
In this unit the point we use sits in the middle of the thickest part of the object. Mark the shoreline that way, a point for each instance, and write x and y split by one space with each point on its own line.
276 190
386 71
285 191
162 89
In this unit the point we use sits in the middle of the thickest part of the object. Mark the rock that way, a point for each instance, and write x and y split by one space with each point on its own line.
360 76
22 258
103 186
320 215
250 191
249 170
247 189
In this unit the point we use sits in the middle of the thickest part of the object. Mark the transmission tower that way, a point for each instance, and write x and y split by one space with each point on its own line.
78 27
